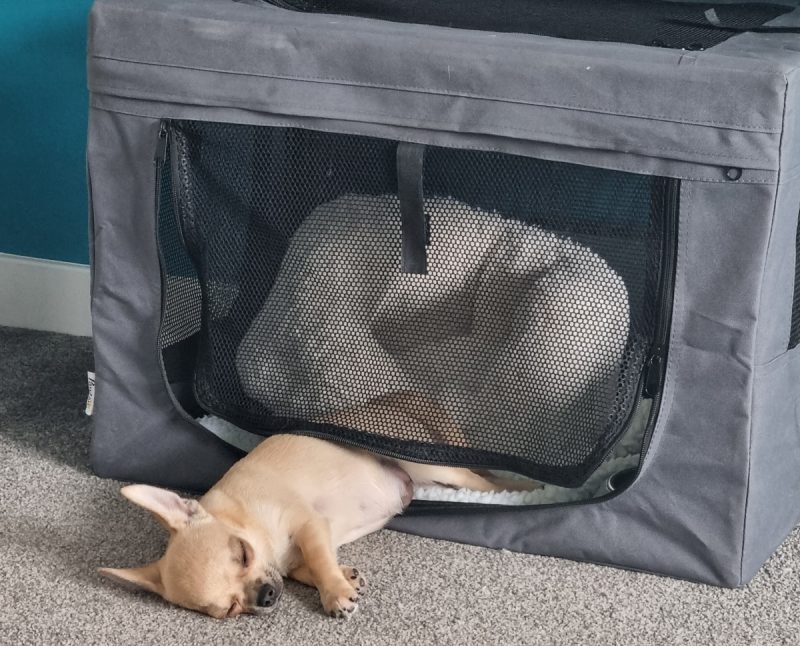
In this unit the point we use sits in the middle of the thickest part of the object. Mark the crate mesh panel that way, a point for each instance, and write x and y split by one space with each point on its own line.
657 23
521 348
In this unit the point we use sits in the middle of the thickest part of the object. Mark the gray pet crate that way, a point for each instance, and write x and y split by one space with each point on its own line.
531 219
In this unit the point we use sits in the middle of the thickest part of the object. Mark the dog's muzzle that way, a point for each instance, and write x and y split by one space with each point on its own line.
268 595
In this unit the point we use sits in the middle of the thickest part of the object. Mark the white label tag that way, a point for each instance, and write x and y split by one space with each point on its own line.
90 399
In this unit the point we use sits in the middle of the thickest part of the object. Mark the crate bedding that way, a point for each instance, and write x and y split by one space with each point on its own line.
495 332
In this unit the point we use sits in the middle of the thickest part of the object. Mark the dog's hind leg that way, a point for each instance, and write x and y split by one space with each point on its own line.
461 478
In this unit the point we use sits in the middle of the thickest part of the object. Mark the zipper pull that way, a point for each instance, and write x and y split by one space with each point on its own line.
654 372
161 144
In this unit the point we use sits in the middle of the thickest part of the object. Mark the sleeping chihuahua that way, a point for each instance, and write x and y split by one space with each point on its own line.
284 509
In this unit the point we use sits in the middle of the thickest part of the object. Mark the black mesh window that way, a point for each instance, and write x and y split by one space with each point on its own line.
658 23
794 332
521 347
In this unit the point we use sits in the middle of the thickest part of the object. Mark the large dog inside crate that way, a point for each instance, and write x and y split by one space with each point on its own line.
574 240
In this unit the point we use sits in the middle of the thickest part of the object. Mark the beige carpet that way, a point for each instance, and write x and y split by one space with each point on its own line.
58 523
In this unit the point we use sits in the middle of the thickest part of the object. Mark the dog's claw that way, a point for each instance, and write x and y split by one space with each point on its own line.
343 613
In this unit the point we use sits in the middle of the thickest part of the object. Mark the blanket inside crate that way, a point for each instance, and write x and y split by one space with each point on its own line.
512 325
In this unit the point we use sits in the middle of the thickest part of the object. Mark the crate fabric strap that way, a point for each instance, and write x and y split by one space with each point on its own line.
414 254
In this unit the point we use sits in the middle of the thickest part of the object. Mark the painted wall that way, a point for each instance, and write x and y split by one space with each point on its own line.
43 112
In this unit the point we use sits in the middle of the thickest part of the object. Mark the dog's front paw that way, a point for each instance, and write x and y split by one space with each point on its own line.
355 578
341 600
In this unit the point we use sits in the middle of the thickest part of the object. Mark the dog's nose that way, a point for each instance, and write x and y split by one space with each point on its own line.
268 596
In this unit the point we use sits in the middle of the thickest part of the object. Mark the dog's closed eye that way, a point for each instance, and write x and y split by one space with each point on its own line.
244 553
241 552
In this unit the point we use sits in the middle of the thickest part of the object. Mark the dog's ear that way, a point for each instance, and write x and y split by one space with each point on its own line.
172 511
147 577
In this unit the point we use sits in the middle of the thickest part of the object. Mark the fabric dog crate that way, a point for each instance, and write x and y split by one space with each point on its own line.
547 223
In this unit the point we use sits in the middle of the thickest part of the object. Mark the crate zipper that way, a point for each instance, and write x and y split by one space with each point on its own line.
158 160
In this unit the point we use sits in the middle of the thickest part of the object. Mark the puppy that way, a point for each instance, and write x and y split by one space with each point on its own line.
284 509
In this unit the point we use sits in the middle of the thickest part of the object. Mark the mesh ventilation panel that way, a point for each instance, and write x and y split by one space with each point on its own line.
520 348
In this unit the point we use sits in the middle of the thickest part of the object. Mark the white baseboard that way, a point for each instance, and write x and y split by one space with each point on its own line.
44 295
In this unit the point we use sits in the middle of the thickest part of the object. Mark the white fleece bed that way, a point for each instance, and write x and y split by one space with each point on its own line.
512 328
624 456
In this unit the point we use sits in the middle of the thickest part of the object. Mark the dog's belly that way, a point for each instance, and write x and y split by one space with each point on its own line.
371 500
354 490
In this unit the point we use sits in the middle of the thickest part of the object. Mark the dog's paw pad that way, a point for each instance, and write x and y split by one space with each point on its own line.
342 602
354 578
343 609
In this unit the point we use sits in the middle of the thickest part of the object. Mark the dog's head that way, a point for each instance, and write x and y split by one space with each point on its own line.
213 565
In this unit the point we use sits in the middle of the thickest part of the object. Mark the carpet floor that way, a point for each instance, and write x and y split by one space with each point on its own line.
58 523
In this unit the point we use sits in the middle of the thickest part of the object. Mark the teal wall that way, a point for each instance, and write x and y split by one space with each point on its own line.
43 111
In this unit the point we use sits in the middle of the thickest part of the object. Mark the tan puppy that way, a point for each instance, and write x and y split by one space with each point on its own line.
284 509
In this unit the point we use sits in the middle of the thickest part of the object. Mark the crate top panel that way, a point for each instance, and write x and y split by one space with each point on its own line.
724 105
